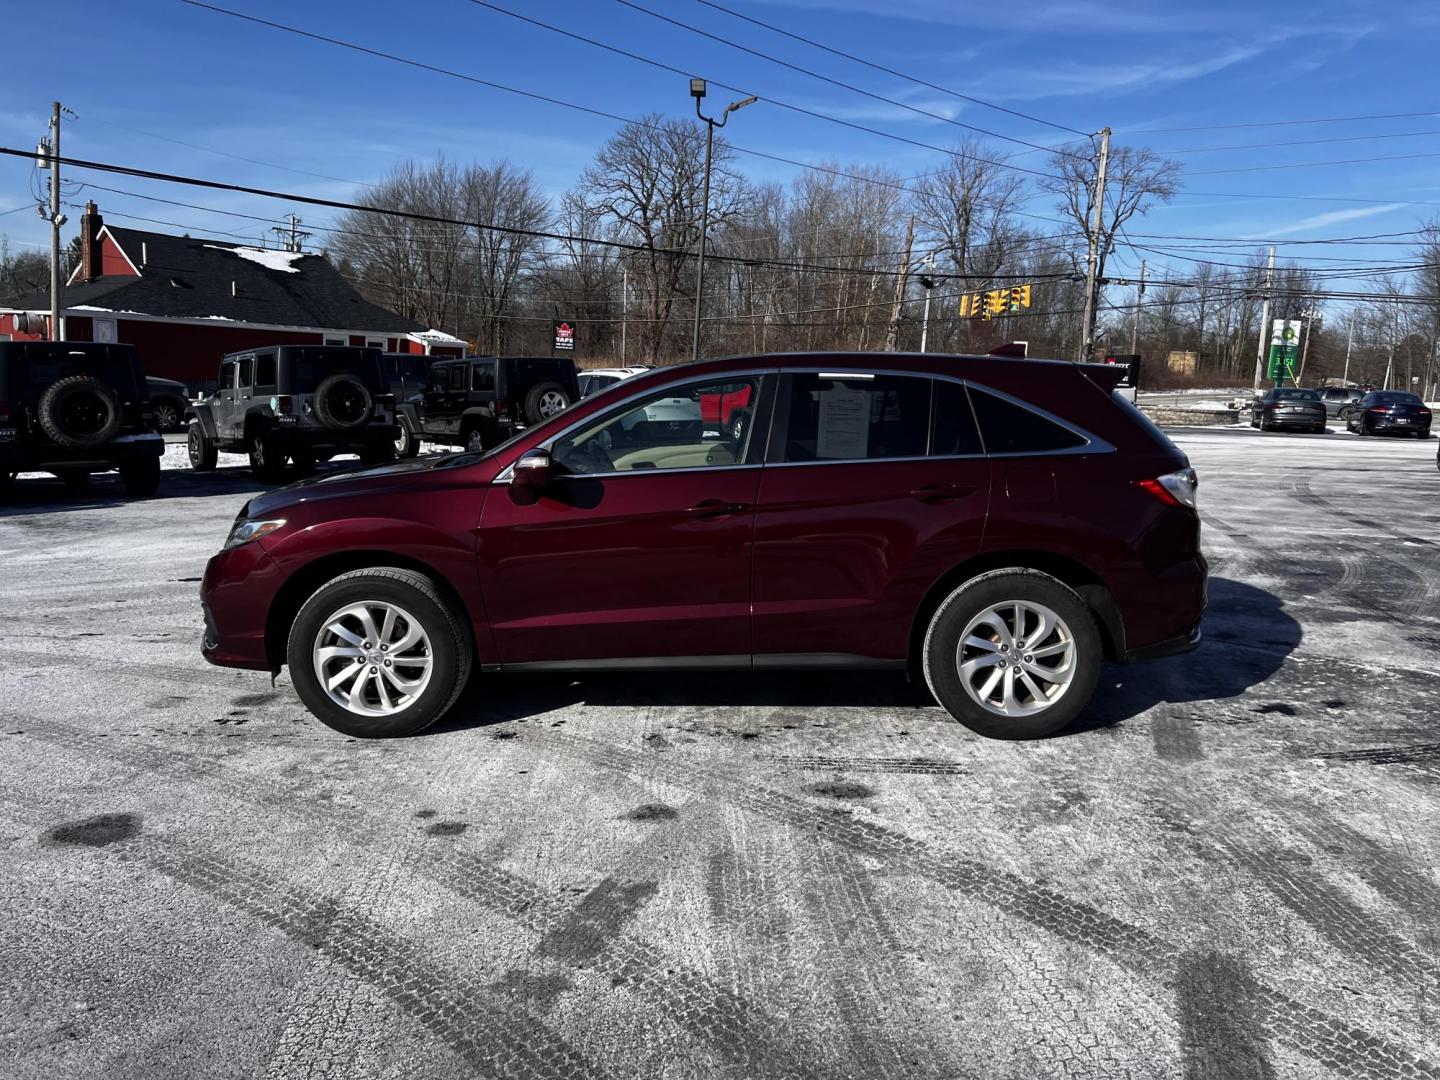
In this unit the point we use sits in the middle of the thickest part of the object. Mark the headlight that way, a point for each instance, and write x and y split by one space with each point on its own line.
245 531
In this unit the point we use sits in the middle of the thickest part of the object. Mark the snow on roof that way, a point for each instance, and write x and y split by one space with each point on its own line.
436 335
270 259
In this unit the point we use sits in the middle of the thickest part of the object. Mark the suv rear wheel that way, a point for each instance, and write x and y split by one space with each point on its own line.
406 444
379 652
266 462
140 476
545 400
1013 654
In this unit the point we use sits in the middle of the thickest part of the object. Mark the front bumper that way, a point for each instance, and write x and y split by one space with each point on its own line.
22 456
239 586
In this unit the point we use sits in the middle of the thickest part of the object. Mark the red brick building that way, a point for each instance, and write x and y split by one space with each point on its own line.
185 302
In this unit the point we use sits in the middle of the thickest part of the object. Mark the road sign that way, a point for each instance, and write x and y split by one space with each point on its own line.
564 336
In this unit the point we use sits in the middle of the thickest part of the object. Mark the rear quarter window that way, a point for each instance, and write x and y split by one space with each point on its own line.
1009 428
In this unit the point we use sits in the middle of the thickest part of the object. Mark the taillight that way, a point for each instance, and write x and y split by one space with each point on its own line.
1377 408
285 406
1173 489
1422 412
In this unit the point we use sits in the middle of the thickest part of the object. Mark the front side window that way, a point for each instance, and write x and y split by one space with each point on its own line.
1009 428
247 368
227 375
845 417
668 430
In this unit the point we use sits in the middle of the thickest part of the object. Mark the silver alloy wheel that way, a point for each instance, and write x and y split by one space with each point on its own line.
551 402
166 417
257 452
402 441
372 658
1016 658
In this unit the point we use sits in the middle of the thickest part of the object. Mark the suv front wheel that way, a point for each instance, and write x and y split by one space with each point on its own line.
1013 654
543 401
140 476
379 652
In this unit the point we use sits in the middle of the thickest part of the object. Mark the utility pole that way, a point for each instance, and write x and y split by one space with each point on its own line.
1135 326
624 309
1349 343
901 281
1264 323
1310 319
291 236
57 219
929 283
1092 255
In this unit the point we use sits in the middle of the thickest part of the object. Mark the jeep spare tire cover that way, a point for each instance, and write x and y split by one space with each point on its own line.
80 411
342 402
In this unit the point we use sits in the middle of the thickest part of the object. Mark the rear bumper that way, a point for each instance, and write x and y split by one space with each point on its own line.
20 456
289 437
1296 420
1385 423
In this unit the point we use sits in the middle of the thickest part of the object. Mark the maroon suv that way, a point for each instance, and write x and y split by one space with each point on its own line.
1002 525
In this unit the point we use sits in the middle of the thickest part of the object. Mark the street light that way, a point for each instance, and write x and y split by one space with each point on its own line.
927 282
697 91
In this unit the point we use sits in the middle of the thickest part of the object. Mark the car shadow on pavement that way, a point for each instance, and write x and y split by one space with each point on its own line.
1249 635
35 495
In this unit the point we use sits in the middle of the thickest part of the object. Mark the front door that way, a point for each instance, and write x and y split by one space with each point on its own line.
639 549
875 487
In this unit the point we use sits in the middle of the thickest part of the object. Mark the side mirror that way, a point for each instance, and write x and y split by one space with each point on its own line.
532 470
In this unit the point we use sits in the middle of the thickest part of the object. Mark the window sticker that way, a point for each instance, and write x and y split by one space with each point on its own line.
844 423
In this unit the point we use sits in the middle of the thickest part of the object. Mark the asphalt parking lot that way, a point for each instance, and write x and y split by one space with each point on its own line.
1231 870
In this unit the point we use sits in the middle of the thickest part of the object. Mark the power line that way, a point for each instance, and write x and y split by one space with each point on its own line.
1276 123
338 204
450 73
800 109
891 71
1312 164
1298 142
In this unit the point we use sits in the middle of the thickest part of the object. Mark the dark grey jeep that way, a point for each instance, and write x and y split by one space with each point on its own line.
76 408
306 403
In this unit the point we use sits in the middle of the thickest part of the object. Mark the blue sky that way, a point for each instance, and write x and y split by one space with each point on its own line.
145 68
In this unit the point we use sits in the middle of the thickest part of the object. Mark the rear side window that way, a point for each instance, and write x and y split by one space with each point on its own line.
265 369
457 377
1013 429
953 428
834 418
482 377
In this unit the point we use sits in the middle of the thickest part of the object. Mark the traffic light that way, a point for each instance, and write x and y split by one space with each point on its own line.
1019 297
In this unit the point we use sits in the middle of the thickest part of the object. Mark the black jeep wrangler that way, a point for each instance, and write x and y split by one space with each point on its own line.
73 408
302 402
480 401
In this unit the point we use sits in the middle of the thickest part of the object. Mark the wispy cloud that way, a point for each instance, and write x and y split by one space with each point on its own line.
1335 217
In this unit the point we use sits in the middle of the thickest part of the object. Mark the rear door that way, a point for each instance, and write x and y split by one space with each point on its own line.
639 549
875 485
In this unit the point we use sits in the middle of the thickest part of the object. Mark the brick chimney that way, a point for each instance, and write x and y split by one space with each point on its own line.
91 262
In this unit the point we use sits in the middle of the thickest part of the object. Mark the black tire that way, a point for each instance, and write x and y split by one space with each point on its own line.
141 476
406 444
79 411
203 452
1363 428
75 479
304 460
448 630
940 651
738 423
267 464
378 454
544 400
8 478
343 403
169 414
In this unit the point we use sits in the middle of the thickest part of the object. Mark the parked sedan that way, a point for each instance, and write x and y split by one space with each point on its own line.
1289 407
1003 526
1382 411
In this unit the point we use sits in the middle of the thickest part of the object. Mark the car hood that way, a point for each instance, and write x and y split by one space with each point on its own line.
377 480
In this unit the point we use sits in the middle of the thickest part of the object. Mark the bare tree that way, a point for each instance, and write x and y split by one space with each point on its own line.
27 272
647 180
